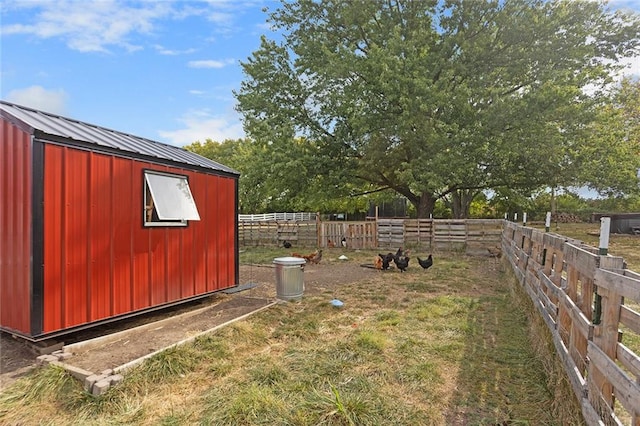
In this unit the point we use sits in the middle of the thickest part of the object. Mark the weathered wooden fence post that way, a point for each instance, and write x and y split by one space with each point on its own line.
606 317
547 222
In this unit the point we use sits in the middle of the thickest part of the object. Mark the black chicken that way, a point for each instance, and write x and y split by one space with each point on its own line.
426 263
402 252
286 244
386 260
402 262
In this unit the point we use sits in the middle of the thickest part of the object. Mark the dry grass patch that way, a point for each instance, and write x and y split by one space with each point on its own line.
449 345
624 245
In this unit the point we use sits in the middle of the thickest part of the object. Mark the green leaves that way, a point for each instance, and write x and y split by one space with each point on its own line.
610 156
430 98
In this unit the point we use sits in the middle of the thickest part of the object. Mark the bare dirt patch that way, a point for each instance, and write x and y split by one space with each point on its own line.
17 357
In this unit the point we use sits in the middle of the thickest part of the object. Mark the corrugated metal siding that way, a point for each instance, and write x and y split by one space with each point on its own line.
226 237
75 130
625 225
101 262
198 265
121 242
621 223
15 228
100 273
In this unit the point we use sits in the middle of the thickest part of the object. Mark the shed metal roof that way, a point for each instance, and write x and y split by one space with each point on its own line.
84 133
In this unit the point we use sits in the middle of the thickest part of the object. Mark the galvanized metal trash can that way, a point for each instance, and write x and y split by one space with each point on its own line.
289 277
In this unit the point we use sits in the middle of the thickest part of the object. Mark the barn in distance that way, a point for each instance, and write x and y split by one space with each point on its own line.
98 225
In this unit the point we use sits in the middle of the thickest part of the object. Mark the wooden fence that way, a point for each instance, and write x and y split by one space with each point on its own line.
471 235
274 233
590 305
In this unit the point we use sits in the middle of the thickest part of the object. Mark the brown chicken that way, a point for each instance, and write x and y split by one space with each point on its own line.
302 256
377 262
317 257
495 252
314 257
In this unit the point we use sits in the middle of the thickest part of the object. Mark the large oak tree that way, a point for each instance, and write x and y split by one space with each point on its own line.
434 99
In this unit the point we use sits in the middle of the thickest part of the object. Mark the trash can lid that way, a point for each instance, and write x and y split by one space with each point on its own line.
289 260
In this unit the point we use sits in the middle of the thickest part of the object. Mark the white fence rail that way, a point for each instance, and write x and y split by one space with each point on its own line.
266 217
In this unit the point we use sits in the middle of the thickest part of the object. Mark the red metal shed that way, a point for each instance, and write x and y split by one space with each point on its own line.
97 225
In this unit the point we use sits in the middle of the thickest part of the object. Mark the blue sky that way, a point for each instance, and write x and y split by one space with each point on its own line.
164 70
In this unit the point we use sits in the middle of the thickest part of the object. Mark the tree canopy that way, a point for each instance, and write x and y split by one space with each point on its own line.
274 179
610 156
434 99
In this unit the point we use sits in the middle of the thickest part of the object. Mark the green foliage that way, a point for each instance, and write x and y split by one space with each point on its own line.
610 160
628 204
284 177
243 156
441 211
481 209
432 99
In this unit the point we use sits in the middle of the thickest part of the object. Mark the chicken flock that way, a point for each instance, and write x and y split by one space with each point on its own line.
401 260
398 260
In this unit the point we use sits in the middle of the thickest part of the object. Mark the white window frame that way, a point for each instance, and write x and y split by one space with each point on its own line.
168 200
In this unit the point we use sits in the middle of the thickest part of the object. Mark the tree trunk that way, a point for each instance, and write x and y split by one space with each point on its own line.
461 202
424 205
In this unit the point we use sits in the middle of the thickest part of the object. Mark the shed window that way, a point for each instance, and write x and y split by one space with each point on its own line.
168 200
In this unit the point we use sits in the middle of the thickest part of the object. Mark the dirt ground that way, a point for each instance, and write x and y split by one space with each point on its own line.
17 357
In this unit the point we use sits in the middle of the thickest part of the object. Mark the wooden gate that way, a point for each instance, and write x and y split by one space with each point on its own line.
358 235
390 233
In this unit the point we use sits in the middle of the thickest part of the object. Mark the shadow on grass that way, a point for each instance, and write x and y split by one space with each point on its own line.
502 378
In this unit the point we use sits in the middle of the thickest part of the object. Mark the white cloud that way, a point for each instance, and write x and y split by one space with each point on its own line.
631 69
222 18
210 63
91 26
632 66
221 94
37 97
164 51
200 125
98 25
625 5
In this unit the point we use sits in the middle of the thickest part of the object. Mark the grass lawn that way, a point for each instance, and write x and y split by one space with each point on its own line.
450 345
